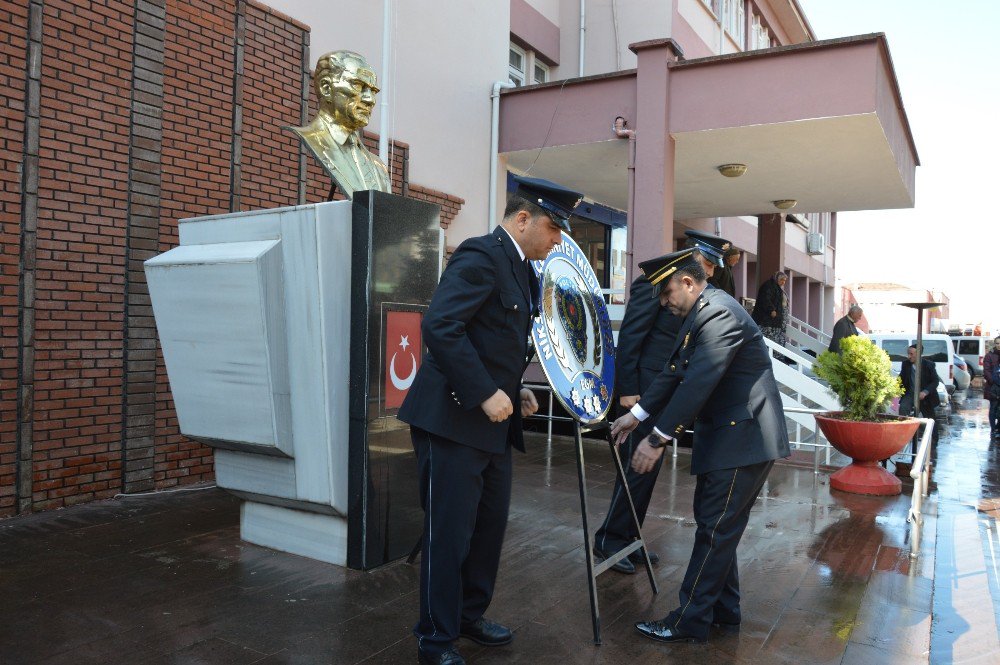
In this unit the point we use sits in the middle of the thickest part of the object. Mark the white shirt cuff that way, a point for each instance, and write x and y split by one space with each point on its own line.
665 436
639 412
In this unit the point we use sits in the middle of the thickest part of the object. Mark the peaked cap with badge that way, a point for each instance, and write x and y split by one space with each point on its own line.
711 246
551 197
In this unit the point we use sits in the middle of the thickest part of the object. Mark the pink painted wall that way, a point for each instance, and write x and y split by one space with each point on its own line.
574 113
890 112
534 31
780 86
689 40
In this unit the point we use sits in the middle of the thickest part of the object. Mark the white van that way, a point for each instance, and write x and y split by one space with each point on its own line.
972 350
937 347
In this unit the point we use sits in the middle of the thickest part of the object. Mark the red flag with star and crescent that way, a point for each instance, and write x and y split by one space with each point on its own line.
402 355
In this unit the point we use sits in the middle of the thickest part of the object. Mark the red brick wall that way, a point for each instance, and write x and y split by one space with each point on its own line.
142 120
13 49
196 173
79 294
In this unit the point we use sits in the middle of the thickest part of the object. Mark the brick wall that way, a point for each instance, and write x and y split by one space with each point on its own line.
128 116
13 53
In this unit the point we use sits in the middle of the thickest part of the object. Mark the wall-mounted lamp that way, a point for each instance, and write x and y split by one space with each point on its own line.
732 170
785 204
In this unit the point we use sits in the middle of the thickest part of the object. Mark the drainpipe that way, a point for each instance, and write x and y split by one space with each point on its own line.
495 148
383 131
583 32
621 132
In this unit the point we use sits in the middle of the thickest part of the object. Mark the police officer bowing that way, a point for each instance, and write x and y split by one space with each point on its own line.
462 415
718 377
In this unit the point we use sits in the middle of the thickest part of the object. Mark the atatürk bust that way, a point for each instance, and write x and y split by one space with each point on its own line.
346 87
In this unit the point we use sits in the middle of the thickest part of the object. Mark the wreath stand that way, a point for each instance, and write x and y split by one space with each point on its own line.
593 570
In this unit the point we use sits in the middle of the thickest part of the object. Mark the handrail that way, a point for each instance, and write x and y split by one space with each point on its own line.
921 483
809 330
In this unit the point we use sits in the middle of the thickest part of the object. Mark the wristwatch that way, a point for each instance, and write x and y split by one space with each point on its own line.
655 440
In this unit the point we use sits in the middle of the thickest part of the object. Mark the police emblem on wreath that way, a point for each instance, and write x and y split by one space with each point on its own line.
572 333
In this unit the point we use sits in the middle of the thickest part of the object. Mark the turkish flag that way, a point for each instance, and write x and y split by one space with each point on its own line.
402 354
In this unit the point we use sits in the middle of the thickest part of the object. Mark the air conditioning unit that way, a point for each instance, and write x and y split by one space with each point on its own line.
815 243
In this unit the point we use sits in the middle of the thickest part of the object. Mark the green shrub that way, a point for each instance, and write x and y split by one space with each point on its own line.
861 377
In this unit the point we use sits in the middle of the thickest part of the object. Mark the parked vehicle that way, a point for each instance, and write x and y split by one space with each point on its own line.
972 349
937 348
961 372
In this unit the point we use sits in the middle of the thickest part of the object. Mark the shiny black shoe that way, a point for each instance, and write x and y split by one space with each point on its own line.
449 657
624 566
636 557
486 632
659 631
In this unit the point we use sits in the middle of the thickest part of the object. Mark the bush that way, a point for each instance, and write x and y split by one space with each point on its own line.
861 377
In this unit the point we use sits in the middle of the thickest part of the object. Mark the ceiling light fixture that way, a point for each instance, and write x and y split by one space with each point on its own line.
732 170
785 204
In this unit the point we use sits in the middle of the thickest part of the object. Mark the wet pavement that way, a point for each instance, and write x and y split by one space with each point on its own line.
826 576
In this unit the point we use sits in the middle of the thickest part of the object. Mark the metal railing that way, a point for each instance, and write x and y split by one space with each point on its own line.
921 485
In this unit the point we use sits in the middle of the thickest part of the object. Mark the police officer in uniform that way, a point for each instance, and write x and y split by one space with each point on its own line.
718 378
465 409
645 339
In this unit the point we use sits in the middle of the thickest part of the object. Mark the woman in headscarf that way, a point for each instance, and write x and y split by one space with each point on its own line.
771 309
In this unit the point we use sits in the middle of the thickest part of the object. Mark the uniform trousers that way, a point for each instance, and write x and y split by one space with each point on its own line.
617 531
465 494
710 590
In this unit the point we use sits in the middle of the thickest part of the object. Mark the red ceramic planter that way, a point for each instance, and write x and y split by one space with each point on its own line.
866 443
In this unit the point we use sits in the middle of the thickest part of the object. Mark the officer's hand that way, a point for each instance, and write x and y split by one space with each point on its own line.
774 314
923 395
498 407
645 457
628 401
528 402
620 428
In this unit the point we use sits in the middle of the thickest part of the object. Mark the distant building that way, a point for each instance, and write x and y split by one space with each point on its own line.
883 313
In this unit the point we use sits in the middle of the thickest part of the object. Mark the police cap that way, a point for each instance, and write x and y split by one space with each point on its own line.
712 247
556 200
662 267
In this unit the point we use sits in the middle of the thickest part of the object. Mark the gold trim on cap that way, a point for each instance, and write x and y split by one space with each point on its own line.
667 269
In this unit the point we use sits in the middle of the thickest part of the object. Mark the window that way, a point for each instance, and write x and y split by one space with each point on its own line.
734 19
541 72
517 63
759 36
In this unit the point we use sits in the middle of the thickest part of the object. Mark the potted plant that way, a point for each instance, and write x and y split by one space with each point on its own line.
861 377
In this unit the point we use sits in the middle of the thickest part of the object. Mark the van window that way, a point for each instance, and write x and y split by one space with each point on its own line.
896 348
935 350
968 346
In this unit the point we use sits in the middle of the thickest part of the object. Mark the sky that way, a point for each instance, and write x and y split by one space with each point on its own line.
945 57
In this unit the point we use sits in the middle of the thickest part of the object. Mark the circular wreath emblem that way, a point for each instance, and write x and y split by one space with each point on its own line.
572 333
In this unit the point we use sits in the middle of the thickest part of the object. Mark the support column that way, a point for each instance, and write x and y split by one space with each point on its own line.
652 214
770 246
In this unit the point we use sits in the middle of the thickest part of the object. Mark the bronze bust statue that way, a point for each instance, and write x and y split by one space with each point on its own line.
345 87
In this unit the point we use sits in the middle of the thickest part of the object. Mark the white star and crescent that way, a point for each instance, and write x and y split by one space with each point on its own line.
398 383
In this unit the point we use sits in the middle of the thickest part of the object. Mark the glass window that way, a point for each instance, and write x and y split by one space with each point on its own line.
515 62
968 347
541 73
896 348
592 238
937 350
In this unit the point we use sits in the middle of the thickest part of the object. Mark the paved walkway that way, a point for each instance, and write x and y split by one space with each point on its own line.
826 577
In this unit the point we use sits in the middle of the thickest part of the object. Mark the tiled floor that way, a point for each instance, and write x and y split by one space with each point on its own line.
826 577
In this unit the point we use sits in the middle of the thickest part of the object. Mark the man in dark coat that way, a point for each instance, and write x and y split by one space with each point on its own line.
646 337
719 379
846 326
723 277
929 381
465 409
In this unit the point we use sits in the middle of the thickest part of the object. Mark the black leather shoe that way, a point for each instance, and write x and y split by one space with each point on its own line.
659 631
623 566
449 657
636 557
487 633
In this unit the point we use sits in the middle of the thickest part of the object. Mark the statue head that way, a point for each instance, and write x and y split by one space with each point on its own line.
345 87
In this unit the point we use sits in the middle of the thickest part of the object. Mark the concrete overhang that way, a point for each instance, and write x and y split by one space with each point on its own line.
822 123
